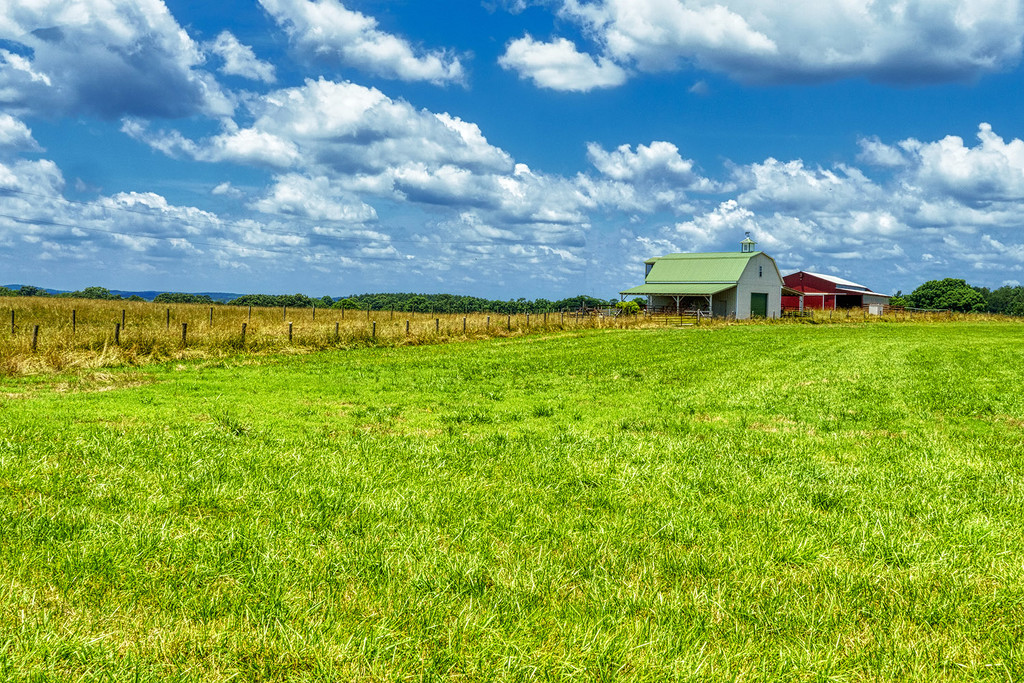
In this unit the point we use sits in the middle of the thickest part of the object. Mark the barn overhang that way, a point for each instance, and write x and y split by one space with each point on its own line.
679 289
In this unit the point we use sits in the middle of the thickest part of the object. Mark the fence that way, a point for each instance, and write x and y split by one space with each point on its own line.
67 332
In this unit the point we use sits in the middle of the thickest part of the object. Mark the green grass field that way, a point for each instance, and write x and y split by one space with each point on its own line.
740 503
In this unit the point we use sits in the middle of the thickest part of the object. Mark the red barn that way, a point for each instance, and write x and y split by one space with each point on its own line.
828 292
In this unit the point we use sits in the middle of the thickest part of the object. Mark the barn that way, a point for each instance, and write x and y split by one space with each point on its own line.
828 292
741 284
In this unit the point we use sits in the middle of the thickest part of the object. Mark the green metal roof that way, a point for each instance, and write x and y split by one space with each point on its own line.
684 289
714 267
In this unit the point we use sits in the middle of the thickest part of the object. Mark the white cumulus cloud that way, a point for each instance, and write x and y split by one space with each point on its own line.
15 136
991 171
240 60
891 41
326 30
558 65
106 57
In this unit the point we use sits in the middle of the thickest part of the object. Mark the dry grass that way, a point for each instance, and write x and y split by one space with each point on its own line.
79 334
84 334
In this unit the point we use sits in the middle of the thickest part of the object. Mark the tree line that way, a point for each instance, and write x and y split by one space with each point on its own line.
946 294
954 294
87 293
406 302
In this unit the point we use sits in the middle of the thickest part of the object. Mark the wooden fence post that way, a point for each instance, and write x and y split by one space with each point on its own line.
122 318
527 321
406 328
284 313
336 330
289 332
12 321
488 322
463 325
117 334
35 338
373 333
184 334
74 322
168 318
244 325
510 323
211 316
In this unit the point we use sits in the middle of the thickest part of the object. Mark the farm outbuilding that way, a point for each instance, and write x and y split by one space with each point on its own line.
828 292
739 284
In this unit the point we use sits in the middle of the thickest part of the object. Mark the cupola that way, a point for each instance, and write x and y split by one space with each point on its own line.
747 245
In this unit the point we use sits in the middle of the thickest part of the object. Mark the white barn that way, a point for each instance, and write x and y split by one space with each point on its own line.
739 285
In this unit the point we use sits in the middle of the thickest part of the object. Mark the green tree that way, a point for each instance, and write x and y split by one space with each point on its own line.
96 293
950 293
628 307
347 304
181 298
1007 300
31 290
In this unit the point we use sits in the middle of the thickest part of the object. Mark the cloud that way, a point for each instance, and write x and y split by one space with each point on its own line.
240 60
791 186
106 57
226 189
363 140
993 171
353 129
876 153
728 218
759 41
658 162
325 30
15 136
314 198
559 66
341 150
701 88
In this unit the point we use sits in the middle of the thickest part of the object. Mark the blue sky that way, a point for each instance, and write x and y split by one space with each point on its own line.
505 148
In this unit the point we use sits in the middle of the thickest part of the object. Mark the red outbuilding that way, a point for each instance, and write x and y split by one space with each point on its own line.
828 292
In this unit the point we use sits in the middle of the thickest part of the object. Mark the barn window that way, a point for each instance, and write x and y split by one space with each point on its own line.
760 271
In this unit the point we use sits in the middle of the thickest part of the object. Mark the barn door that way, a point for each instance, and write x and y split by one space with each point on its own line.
758 305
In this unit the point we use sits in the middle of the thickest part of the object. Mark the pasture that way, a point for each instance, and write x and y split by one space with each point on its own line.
747 502
41 334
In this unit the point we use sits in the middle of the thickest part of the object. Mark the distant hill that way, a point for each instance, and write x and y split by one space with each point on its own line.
148 296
